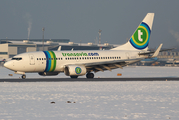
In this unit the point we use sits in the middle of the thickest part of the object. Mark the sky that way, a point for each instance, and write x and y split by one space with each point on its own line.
80 20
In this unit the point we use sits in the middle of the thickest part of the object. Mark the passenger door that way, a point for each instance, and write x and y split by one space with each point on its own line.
32 59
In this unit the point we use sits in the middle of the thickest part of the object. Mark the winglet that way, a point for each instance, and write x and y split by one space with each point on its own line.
157 51
59 48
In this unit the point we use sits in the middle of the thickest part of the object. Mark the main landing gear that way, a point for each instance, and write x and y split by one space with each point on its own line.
23 76
74 76
89 75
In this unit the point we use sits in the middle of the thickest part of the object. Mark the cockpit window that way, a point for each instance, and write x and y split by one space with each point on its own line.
16 59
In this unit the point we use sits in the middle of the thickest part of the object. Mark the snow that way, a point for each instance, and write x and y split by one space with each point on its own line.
131 100
90 100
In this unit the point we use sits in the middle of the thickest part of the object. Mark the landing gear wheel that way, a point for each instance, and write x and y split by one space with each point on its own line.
74 76
89 75
23 76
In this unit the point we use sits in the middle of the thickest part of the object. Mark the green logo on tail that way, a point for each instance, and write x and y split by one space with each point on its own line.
140 38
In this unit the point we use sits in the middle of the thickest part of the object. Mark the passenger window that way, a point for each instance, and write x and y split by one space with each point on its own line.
37 58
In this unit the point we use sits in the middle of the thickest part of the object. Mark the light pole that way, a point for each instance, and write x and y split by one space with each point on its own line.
99 32
43 29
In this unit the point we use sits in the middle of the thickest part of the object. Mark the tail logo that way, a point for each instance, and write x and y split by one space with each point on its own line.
140 38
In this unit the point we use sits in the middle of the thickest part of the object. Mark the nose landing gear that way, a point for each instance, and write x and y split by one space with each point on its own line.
23 76
89 75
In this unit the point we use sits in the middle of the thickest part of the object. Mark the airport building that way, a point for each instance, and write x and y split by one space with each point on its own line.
12 47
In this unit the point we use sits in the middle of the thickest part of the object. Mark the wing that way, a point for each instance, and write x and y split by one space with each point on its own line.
109 65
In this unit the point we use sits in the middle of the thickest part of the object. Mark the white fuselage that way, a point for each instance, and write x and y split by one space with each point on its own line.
40 62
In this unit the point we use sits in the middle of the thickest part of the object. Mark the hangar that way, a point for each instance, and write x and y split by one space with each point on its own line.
12 47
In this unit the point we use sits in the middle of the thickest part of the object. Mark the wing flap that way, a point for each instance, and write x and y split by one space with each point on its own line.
109 65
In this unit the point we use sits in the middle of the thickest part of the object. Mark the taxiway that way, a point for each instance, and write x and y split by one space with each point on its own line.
94 79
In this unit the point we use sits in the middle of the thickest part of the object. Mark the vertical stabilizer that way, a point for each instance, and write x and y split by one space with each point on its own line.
140 39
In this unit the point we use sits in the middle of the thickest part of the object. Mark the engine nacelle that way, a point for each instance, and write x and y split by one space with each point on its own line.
48 73
75 70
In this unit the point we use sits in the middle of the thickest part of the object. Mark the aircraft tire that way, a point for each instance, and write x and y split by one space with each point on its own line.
89 75
23 76
74 76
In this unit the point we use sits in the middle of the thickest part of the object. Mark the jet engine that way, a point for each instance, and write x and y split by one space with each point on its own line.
75 70
48 73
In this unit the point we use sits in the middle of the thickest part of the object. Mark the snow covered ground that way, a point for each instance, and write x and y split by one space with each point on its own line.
141 100
89 100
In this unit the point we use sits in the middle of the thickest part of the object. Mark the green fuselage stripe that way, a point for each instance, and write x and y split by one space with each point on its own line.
54 60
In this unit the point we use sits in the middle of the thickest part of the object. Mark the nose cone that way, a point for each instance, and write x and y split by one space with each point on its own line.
8 65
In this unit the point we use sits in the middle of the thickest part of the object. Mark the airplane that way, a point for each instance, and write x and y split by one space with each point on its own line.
149 60
2 60
84 62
